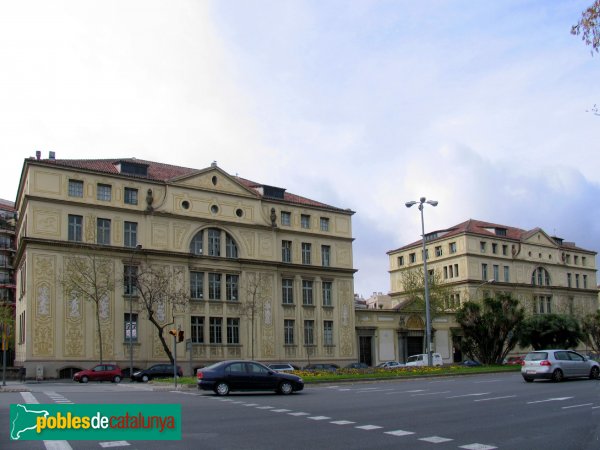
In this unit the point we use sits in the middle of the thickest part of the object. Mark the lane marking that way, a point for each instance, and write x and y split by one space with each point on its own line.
435 439
399 433
319 418
265 407
493 398
368 427
342 422
470 395
431 393
114 444
280 410
557 399
577 406
477 447
298 414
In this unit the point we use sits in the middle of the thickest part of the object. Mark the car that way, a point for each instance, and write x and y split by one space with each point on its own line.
422 360
514 360
322 366
235 375
558 364
357 365
100 372
470 363
281 367
390 365
156 371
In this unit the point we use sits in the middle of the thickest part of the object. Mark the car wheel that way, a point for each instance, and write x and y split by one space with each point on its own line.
84 379
528 379
557 375
145 378
285 388
594 373
222 388
117 379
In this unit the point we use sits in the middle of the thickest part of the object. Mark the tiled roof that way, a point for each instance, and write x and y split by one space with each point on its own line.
7 205
165 173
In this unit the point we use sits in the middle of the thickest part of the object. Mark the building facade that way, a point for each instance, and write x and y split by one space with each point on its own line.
8 219
221 232
477 259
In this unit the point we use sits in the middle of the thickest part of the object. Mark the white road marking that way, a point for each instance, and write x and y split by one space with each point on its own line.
298 414
557 399
399 433
486 381
251 404
577 406
435 439
114 444
479 394
265 407
477 447
280 410
342 422
319 418
368 427
50 445
493 398
374 390
431 393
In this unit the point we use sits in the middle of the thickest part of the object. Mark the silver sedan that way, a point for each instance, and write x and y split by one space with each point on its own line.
557 365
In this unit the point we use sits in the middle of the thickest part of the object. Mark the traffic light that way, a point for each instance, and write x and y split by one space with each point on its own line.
173 332
180 336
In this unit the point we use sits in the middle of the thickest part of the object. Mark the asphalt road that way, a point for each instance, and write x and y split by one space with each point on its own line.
473 412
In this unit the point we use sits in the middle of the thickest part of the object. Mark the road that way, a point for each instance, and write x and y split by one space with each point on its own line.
469 412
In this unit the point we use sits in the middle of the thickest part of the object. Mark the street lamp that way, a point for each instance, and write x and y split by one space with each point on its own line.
132 283
421 204
490 281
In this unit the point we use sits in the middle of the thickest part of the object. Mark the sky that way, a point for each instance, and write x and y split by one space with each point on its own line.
486 107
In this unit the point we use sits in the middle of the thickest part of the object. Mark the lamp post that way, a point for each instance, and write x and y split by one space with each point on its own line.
421 204
132 283
490 281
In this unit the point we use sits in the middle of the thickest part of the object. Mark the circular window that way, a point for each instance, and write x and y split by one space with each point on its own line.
185 204
214 181
239 212
214 209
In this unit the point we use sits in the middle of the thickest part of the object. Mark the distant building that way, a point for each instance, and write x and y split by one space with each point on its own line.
8 216
379 300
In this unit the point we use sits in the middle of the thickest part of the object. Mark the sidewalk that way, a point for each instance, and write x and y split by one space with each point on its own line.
14 386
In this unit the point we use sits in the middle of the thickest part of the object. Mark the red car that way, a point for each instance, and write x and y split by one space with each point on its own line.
101 372
514 361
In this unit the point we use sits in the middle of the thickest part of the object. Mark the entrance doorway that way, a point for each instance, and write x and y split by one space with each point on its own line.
414 345
364 350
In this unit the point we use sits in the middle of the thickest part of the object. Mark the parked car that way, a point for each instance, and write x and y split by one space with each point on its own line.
228 376
389 365
422 360
101 372
514 360
156 371
558 364
357 365
282 367
470 363
322 366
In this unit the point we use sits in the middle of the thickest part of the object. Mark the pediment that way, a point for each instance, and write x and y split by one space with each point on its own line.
539 237
214 179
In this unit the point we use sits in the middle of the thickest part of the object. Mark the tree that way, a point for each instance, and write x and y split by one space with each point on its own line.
413 285
591 330
589 27
161 292
490 328
546 331
256 295
7 323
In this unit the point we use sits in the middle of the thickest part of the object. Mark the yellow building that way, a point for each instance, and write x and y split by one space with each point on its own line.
476 259
222 232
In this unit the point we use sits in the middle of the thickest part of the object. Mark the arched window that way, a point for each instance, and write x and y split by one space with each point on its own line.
540 277
214 242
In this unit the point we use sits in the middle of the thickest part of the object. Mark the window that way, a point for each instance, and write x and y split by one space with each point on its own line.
583 261
324 224
482 247
197 243
575 259
496 272
233 331
438 250
104 192
412 258
103 231
326 255
130 328
400 260
286 218
305 221
306 249
214 242
287 291
307 292
288 332
452 247
577 280
231 287
504 249
445 272
130 280
540 277
484 273
197 285
327 285
506 274
231 250
494 248
568 259
585 281
130 237
543 304
214 286
309 332
327 332
569 280
215 330
426 254
286 251
75 188
453 301
197 324
131 196
450 272
455 270
75 228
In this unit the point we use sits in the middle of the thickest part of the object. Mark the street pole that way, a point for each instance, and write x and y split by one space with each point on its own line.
4 333
132 283
175 355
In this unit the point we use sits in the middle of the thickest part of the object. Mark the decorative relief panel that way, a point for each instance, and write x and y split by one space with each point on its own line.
234 352
90 228
197 307
47 182
43 305
328 313
266 246
160 232
289 311
199 351
216 352
290 352
247 240
73 326
308 313
215 308
46 222
233 309
179 234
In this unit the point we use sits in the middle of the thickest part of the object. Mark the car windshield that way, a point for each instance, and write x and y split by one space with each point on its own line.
215 365
413 358
536 356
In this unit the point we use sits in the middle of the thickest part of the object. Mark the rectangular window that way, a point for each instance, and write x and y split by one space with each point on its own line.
400 260
549 305
585 281
287 291
506 274
197 325
426 254
309 332
327 285
214 286
484 273
412 258
438 250
482 247
233 331
103 231
231 287
583 260
197 285
455 270
326 255
131 196
75 231
307 292
230 248
306 249
286 251
327 332
452 247
575 259
75 188
496 272
130 327
104 192
129 280
568 259
288 332
577 280
494 248
569 280
286 218
130 237
214 242
450 272
445 272
324 224
215 330
305 221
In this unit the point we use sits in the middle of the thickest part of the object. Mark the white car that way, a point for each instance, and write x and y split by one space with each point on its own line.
421 360
390 365
281 367
557 365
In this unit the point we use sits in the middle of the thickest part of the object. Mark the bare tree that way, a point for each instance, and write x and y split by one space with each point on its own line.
256 290
161 293
92 278
589 27
413 286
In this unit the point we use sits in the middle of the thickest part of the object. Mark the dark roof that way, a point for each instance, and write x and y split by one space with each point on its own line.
166 173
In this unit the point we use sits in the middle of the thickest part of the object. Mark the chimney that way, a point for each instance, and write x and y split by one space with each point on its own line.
38 155
51 155
214 164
